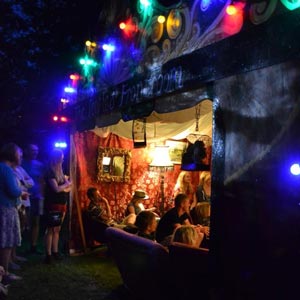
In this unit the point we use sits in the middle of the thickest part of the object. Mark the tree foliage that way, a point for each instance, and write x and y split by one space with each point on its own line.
39 41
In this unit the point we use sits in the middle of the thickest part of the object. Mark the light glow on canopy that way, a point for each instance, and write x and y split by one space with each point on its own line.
108 47
291 4
233 20
231 10
161 19
122 25
145 9
87 64
146 3
69 90
90 44
129 27
60 145
64 100
74 77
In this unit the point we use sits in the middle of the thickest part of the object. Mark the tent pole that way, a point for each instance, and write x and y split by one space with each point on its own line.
75 194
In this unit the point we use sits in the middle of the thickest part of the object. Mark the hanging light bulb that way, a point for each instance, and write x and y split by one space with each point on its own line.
231 10
291 5
234 18
122 25
161 19
129 27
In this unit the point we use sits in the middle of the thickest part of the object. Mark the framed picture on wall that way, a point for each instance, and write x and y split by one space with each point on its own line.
176 149
139 133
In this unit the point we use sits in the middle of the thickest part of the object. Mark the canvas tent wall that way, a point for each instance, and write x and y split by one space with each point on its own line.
170 125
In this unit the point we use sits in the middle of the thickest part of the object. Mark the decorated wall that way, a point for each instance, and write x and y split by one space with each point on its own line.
119 194
134 58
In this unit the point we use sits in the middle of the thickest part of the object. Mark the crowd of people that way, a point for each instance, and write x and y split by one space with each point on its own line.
29 189
188 221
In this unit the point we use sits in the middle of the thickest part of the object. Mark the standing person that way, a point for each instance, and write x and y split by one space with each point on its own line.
25 182
10 192
57 188
36 170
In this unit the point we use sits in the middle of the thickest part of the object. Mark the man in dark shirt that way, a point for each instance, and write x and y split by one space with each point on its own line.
98 215
99 209
175 217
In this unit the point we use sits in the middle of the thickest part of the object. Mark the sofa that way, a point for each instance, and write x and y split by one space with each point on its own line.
143 264
151 271
190 269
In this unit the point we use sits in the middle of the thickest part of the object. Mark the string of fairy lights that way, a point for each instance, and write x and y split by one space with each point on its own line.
97 69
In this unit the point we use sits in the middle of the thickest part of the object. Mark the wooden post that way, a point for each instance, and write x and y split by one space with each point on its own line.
73 165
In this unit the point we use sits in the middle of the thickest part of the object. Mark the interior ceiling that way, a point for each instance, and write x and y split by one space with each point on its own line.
173 125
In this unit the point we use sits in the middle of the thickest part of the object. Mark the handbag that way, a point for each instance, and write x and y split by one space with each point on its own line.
54 218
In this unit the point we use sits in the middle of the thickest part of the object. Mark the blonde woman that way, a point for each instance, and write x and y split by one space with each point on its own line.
200 209
203 192
184 186
57 188
189 235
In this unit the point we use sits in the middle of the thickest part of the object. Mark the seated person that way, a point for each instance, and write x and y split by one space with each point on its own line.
99 209
146 224
203 192
201 214
135 206
175 217
189 235
98 216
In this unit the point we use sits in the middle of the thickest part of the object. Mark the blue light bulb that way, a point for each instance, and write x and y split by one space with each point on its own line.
295 169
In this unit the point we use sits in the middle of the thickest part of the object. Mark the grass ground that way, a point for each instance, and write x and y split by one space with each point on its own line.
89 276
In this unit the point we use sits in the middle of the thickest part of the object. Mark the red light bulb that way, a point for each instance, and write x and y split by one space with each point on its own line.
63 119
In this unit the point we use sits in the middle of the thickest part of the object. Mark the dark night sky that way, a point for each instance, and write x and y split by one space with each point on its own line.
40 44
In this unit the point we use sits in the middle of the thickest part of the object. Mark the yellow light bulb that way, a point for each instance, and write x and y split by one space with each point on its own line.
161 19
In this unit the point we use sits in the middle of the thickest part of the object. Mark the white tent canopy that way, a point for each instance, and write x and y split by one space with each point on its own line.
173 125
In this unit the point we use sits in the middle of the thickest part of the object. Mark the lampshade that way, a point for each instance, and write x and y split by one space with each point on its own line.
161 159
